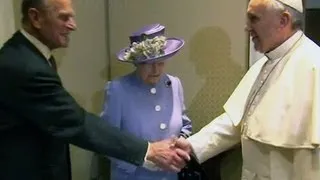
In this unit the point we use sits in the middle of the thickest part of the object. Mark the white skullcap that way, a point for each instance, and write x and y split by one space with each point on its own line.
295 4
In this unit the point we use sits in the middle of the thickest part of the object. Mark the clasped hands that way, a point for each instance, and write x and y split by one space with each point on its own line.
170 154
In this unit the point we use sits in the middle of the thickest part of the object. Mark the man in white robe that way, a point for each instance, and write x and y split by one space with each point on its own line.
274 111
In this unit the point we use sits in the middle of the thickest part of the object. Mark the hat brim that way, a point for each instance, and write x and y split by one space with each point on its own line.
173 45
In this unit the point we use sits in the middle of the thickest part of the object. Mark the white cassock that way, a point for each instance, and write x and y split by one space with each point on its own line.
274 113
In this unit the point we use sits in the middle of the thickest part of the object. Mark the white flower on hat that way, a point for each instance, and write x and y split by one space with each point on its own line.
148 48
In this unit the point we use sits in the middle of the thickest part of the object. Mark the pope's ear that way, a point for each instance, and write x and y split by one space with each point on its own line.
285 19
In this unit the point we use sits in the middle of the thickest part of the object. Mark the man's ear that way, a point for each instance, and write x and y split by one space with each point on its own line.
35 17
285 19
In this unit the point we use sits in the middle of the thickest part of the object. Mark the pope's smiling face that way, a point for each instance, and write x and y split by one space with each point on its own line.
264 24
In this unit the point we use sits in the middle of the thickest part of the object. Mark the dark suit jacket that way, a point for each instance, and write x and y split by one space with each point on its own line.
38 118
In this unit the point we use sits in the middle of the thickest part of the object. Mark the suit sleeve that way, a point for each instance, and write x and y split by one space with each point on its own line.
214 138
112 114
186 122
40 99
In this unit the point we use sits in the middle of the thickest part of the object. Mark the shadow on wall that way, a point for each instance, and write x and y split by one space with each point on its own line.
210 51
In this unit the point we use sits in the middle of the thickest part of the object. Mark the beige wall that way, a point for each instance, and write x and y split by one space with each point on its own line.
7 22
214 57
83 69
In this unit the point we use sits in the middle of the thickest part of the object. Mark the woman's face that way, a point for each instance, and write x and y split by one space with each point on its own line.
150 73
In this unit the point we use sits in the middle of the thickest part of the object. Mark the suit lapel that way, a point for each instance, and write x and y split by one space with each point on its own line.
19 38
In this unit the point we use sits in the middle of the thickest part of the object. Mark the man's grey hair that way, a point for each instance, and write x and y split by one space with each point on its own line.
297 17
27 4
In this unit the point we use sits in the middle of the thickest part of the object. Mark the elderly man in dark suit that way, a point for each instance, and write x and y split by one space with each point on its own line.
38 116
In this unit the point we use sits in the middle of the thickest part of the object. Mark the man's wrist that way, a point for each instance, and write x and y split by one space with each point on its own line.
147 163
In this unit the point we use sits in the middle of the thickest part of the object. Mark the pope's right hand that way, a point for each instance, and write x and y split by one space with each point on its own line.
167 155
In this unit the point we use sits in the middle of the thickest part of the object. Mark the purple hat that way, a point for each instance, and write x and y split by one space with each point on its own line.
149 45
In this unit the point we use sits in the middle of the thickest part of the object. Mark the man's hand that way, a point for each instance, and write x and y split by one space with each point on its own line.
167 156
183 144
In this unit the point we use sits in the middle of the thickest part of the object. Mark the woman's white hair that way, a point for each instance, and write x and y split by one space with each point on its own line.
297 17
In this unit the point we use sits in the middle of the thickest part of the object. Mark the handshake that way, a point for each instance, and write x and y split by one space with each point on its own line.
170 154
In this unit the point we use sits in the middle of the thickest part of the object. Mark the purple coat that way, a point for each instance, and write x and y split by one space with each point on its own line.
150 112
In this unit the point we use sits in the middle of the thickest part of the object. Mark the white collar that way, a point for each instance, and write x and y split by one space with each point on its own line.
38 44
284 47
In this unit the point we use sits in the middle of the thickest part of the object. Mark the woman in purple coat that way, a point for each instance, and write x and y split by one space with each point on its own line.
147 102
